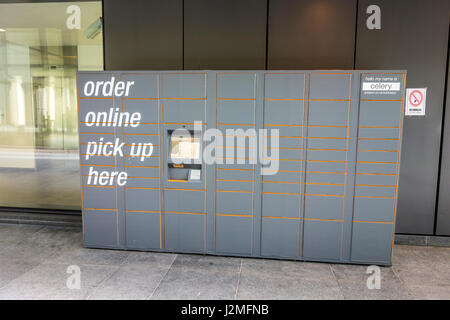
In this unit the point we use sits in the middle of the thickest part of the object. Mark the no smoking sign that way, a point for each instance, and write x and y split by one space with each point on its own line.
415 102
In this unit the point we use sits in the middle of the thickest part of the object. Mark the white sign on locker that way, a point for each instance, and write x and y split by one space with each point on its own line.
381 86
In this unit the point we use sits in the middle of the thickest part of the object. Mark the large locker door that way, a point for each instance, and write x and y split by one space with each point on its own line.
327 149
183 102
377 171
235 183
100 203
142 193
284 107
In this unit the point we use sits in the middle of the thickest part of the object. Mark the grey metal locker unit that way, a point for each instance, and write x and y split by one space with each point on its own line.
329 193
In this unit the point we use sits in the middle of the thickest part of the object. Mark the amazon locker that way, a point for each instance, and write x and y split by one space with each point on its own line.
329 195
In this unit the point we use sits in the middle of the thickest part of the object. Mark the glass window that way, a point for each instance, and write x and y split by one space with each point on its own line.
42 45
184 147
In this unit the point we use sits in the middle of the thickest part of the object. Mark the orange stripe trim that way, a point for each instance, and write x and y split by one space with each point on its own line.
237 99
236 124
336 161
376 174
326 172
381 100
231 180
379 127
393 139
323 195
283 125
234 215
332 220
318 126
274 217
235 169
338 138
384 222
289 182
326 184
181 212
345 100
237 191
374 197
375 162
276 99
377 150
374 185
281 193
313 149
179 189
182 123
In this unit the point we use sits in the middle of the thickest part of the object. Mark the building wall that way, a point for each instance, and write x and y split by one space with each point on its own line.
311 34
413 36
142 34
443 207
308 34
225 34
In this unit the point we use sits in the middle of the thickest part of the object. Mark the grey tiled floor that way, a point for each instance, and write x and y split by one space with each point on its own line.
34 261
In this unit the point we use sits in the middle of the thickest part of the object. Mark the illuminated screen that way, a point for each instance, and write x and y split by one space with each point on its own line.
184 147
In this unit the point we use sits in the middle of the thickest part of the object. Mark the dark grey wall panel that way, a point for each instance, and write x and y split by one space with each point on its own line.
224 34
311 34
142 34
443 212
413 36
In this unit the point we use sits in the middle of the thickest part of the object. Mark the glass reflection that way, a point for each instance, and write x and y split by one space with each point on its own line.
42 45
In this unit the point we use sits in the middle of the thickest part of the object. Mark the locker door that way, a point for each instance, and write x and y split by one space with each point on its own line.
284 107
142 193
183 99
327 148
235 183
